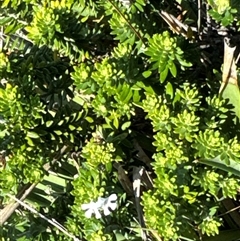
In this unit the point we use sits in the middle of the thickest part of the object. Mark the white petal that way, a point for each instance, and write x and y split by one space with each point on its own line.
112 197
86 206
106 207
88 213
98 214
106 211
100 202
113 206
110 203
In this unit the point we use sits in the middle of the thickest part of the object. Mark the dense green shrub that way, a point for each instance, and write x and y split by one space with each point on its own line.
113 84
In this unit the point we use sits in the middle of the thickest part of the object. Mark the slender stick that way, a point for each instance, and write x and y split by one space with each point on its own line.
137 174
229 211
51 221
199 16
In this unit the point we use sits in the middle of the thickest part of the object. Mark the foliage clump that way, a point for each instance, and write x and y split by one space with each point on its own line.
91 91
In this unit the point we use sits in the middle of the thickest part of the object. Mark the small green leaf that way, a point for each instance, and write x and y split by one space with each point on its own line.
115 122
128 97
32 135
49 123
5 20
29 141
71 127
233 167
232 93
89 119
119 236
108 167
163 75
11 28
169 89
173 69
58 132
5 3
147 73
78 100
136 96
84 19
140 8
52 137
126 125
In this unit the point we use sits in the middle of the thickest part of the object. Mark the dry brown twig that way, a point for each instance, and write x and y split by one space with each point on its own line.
142 156
124 179
177 26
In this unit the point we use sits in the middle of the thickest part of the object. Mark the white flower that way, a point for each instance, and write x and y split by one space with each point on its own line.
92 208
102 203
